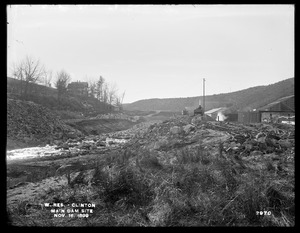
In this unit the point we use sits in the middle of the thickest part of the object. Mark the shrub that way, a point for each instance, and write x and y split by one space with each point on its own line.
128 189
40 174
79 179
71 195
231 183
185 156
183 216
194 180
100 178
21 208
150 161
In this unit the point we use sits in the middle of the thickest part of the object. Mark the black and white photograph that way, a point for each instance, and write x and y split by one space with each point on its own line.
155 115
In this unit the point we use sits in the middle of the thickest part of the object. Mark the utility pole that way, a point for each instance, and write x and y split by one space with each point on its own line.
203 95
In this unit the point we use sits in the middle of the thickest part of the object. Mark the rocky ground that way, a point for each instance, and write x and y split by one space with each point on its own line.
31 124
119 116
182 171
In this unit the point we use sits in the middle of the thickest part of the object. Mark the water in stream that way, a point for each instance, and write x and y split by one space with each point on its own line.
32 152
35 152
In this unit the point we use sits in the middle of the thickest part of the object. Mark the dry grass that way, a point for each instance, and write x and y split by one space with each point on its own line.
133 188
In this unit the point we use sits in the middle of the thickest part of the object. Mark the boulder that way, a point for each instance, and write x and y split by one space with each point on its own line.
100 143
259 135
261 139
58 135
248 146
273 136
263 146
271 142
93 147
285 143
111 142
84 146
255 153
152 126
159 144
196 120
65 146
175 130
72 141
188 128
57 142
270 149
233 144
83 152
71 135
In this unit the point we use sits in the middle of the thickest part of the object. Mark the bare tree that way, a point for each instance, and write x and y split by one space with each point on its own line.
92 88
105 93
122 97
100 89
28 71
112 91
61 83
119 100
48 78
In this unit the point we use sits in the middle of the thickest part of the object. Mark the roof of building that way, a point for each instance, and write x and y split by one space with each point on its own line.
279 102
208 118
214 110
78 84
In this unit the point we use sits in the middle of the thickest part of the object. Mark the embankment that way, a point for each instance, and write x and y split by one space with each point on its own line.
98 126
30 124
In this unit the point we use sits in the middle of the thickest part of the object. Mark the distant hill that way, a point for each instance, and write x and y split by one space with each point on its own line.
246 99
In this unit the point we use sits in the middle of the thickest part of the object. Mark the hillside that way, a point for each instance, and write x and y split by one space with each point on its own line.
253 97
70 106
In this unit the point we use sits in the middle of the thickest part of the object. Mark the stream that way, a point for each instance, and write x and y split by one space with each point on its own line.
72 146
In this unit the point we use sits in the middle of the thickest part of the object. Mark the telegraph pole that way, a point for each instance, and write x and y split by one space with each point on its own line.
203 95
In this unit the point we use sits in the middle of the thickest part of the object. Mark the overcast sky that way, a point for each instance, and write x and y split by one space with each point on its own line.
158 51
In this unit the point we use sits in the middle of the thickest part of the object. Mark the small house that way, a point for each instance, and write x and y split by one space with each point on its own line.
214 113
249 117
279 111
283 108
78 88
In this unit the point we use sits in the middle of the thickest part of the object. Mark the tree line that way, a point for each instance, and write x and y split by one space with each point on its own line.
105 92
32 71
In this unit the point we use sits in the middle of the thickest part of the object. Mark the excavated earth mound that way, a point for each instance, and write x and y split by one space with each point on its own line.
30 124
